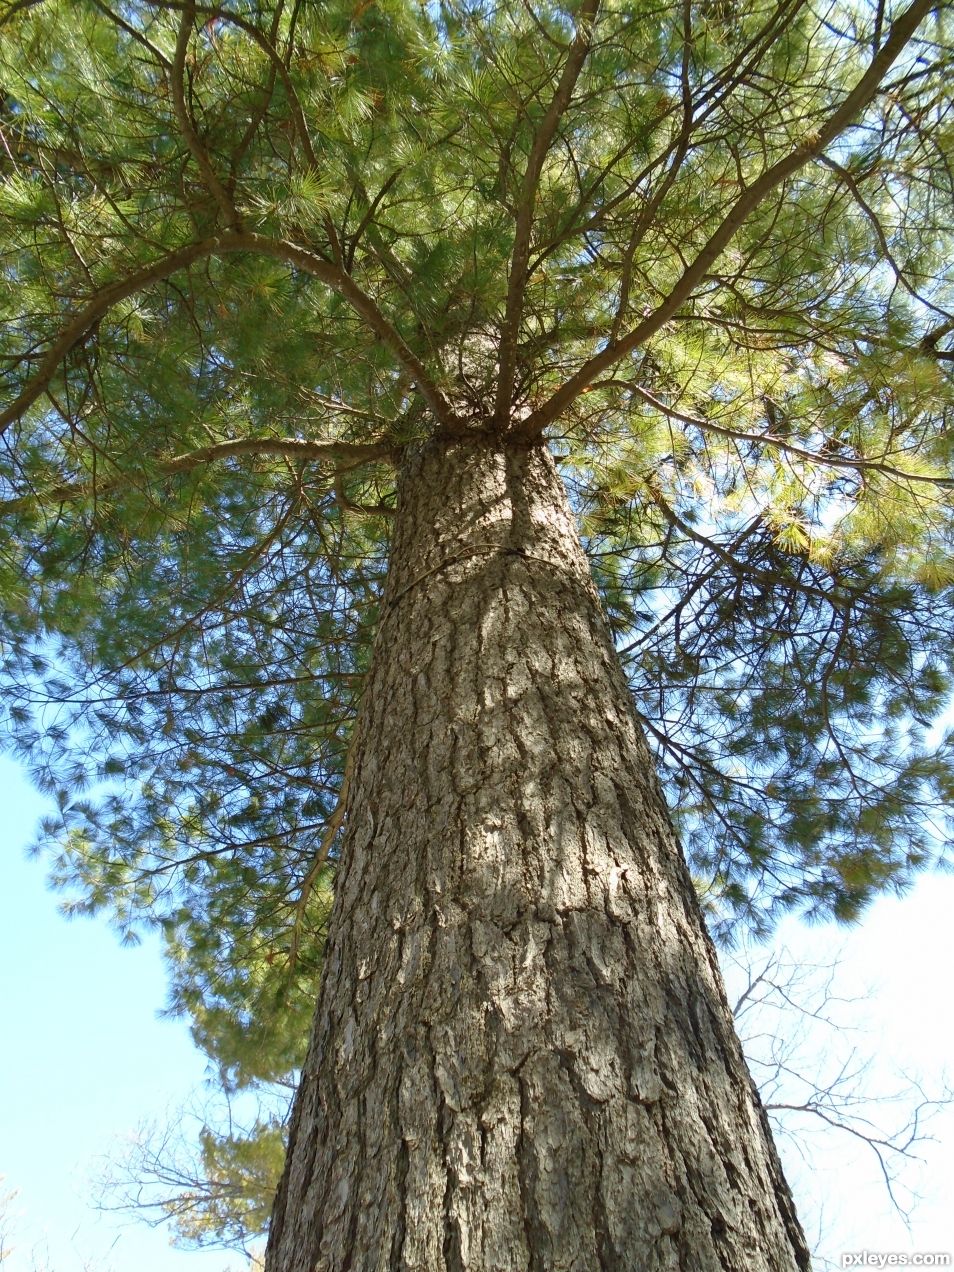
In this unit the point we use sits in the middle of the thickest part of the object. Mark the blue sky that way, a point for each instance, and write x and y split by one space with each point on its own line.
86 1059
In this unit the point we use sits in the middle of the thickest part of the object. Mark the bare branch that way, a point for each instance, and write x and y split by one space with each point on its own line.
784 1013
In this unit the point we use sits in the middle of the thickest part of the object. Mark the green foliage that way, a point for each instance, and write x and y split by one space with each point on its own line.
239 1178
724 296
211 1179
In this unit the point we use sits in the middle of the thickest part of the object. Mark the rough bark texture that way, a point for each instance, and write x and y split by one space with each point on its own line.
522 1057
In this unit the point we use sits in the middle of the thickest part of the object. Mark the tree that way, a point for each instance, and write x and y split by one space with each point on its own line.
6 1245
820 1086
210 1178
10 1246
299 292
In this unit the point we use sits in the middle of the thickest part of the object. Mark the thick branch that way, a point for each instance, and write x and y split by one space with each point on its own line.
309 262
859 97
339 453
528 195
184 120
86 319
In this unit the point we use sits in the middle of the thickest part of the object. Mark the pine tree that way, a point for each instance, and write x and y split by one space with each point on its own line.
536 379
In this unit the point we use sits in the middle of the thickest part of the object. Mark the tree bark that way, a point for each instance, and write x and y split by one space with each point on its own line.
522 1057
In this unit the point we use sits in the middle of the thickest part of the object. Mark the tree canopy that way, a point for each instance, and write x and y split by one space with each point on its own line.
252 251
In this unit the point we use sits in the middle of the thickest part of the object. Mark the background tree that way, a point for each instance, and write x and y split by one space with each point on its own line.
7 1198
210 1177
13 1248
255 254
824 1085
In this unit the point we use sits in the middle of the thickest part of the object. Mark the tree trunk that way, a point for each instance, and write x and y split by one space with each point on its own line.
523 1057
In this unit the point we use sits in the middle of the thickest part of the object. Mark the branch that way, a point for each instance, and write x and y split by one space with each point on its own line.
368 217
361 510
271 52
335 822
878 228
309 262
184 120
929 342
363 305
86 319
289 447
859 97
528 194
18 6
772 439
740 569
